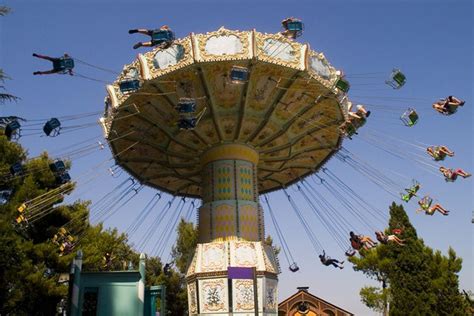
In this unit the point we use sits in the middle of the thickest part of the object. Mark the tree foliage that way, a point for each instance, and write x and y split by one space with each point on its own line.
186 242
419 280
31 263
375 298
4 97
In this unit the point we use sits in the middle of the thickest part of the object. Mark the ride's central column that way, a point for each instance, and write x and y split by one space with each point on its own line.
231 231
230 208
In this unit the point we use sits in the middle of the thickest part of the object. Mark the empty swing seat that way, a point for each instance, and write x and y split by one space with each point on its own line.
239 74
343 85
52 127
128 86
186 105
397 79
410 117
63 64
162 36
63 178
294 267
58 166
20 219
5 196
12 130
16 169
187 123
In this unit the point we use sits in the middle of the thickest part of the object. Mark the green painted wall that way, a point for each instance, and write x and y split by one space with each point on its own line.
118 292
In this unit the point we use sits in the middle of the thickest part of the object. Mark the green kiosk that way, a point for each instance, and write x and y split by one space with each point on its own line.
117 293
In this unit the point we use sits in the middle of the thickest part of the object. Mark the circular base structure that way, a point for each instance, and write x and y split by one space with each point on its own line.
212 292
288 109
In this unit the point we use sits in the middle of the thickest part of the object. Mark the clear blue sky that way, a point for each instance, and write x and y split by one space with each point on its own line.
430 40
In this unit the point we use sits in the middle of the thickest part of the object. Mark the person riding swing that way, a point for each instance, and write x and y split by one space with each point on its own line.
162 37
327 261
61 65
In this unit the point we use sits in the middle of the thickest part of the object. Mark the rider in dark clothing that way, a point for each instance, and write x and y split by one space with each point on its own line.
62 65
327 261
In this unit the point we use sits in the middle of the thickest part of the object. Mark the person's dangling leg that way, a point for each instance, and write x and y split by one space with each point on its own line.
137 45
44 57
462 173
447 151
141 31
48 72
439 208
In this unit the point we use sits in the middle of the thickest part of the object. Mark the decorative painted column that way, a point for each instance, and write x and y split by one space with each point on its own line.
230 207
231 230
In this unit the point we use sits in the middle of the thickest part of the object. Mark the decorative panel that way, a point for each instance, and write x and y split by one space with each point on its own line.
213 296
223 44
248 221
168 57
271 295
224 219
213 257
244 254
277 49
243 296
163 61
224 183
192 299
318 66
245 181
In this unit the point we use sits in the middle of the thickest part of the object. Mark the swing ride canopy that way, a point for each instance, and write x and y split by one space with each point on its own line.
288 110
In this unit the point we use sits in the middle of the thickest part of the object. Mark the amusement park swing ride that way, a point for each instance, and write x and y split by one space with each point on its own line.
225 118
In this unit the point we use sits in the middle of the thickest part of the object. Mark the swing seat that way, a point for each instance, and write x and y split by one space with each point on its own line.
20 219
450 110
162 36
294 267
21 208
5 196
12 130
58 166
186 105
187 123
397 79
405 197
343 85
52 127
63 64
348 129
294 26
128 86
350 252
16 169
426 201
239 74
409 117
63 178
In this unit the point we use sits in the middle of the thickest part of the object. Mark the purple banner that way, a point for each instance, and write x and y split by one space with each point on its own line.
240 273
